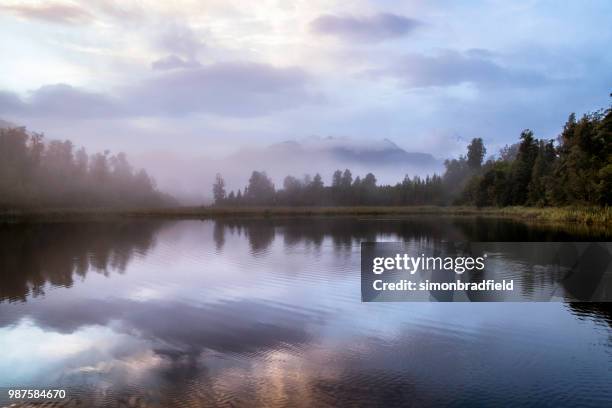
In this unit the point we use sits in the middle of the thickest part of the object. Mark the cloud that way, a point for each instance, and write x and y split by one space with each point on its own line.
374 28
228 89
120 10
180 39
174 62
225 89
454 68
60 100
53 13
10 102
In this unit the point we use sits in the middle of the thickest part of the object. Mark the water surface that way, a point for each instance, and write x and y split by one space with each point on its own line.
244 312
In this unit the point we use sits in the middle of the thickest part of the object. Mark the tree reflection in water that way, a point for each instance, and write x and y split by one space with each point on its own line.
35 254
201 322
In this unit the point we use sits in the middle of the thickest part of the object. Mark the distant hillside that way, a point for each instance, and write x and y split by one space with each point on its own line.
191 178
379 152
388 153
343 150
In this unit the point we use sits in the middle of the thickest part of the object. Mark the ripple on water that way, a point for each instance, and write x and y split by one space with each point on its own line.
268 313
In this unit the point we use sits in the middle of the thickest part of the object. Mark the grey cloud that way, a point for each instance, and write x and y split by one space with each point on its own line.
10 103
174 62
454 68
181 40
227 89
60 100
373 28
53 13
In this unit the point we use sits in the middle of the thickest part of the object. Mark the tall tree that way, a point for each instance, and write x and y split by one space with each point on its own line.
219 189
476 153
523 167
540 174
337 178
260 190
347 179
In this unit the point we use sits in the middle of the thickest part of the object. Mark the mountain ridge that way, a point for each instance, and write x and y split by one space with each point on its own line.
382 152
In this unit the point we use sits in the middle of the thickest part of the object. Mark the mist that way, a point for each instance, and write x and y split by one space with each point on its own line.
190 178
40 173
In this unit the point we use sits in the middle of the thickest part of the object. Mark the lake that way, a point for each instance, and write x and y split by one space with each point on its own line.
268 312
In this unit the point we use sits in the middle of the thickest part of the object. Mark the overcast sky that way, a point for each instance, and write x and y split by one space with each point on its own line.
206 77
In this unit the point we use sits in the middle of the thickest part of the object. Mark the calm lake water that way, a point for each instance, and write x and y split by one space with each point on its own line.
259 312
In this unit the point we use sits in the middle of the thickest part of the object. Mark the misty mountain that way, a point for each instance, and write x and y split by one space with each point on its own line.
344 150
190 179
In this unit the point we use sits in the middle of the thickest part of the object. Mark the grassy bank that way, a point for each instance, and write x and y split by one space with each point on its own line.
574 215
578 215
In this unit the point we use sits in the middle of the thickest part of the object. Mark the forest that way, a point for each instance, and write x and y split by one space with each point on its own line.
575 169
39 174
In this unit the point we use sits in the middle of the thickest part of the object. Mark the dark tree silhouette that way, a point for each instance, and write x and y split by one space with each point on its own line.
219 189
476 153
38 174
260 189
577 170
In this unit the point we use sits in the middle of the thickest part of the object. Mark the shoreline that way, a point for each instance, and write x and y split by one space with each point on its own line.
589 216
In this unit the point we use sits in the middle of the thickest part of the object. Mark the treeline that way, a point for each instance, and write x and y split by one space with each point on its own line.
36 173
577 170
574 170
344 191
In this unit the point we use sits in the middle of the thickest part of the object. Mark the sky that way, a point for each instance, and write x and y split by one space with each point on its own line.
208 77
